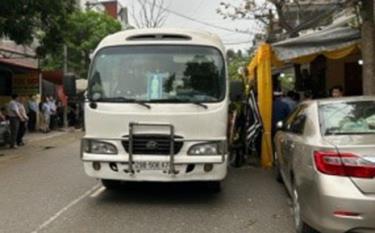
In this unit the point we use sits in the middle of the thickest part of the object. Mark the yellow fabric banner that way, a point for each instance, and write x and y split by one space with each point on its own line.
341 53
265 94
261 66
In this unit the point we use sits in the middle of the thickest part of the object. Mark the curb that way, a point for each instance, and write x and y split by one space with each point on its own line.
5 151
53 134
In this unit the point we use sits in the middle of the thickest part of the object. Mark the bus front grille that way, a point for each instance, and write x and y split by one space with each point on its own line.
153 144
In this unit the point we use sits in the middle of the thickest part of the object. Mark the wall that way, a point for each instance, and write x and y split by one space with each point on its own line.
111 8
94 6
335 72
4 100
26 84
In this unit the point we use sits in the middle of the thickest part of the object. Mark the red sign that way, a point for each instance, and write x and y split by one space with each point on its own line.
60 94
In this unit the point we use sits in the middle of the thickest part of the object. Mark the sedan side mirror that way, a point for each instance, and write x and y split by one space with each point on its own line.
280 125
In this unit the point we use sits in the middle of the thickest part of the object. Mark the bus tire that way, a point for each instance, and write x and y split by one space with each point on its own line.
214 186
111 184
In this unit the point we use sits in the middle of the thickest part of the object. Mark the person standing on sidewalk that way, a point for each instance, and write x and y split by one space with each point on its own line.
23 121
46 113
52 106
288 99
32 107
14 120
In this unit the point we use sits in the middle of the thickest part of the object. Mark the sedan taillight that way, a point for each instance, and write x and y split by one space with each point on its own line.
343 164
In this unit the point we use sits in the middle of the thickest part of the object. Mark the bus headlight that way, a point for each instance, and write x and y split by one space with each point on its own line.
98 147
211 148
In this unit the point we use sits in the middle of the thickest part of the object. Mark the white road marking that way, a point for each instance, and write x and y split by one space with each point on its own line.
97 192
65 208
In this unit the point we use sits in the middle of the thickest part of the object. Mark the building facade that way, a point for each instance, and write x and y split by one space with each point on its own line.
19 71
112 7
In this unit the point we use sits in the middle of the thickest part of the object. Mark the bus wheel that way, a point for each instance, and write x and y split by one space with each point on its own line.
214 186
111 184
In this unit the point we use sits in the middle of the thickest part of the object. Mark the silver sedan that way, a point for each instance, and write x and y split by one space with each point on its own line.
325 155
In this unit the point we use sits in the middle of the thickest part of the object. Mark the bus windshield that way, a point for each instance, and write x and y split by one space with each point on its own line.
157 73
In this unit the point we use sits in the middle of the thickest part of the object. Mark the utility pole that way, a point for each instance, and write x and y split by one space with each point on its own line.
65 71
40 81
368 46
270 26
268 19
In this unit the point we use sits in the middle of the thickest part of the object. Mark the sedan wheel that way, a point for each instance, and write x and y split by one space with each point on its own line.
299 225
276 168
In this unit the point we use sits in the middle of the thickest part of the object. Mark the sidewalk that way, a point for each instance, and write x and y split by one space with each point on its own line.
38 136
35 139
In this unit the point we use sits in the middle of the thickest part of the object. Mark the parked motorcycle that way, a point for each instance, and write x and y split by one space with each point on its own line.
4 132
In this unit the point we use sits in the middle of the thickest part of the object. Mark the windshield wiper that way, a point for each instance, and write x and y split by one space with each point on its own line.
200 104
347 133
142 103
121 99
180 100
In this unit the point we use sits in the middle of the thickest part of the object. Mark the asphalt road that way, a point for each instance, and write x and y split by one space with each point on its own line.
43 189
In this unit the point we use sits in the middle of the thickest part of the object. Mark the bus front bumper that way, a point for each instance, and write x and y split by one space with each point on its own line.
185 168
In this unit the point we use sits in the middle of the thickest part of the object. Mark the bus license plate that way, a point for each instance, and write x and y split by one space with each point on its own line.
151 165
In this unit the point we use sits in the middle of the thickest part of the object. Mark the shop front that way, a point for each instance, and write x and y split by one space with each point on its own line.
314 62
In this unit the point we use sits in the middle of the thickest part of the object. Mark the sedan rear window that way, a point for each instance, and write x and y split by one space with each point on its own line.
344 118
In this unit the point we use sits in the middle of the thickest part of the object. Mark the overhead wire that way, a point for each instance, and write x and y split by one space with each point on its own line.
199 6
238 43
199 21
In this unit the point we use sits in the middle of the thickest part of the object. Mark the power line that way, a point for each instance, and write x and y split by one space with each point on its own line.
199 6
201 22
238 43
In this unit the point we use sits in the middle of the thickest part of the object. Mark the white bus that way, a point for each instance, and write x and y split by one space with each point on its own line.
157 108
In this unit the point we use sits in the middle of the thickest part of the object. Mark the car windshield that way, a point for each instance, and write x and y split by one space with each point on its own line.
161 73
348 118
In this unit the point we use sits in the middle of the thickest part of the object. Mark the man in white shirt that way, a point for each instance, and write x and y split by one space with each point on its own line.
53 108
14 120
46 110
23 122
32 109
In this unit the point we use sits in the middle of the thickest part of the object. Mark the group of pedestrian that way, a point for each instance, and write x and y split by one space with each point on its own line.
47 108
283 105
22 116
52 114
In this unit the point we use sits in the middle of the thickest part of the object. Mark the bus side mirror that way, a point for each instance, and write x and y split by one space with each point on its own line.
236 90
69 83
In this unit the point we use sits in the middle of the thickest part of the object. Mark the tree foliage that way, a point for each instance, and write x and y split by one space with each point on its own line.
236 61
24 20
289 16
84 32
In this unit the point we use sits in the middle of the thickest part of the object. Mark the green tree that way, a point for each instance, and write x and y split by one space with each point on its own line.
231 54
23 20
235 63
84 32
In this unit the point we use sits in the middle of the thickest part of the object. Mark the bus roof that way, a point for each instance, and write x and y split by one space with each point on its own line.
169 36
